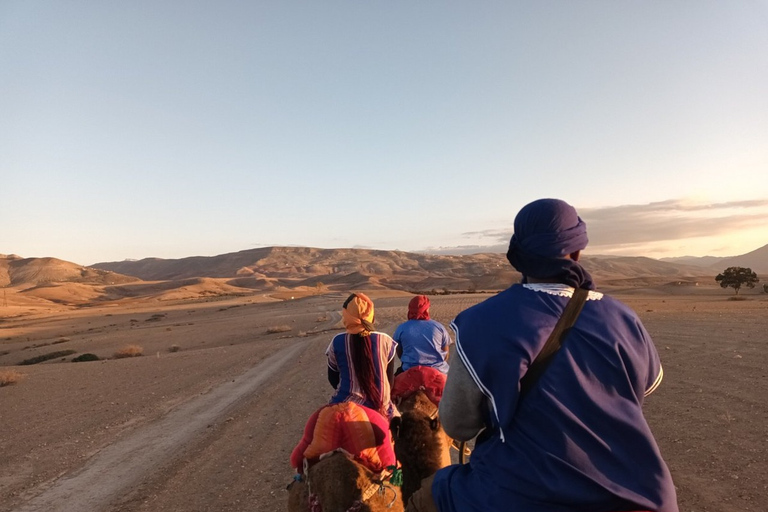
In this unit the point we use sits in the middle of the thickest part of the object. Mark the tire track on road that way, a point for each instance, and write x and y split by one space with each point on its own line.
119 467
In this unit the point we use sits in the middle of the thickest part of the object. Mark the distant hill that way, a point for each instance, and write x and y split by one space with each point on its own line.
757 260
699 261
346 268
18 271
607 269
307 270
333 268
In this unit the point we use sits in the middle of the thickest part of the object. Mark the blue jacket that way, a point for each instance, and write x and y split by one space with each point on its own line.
578 441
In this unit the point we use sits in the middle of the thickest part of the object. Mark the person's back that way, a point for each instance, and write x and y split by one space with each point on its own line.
349 388
421 340
579 437
361 371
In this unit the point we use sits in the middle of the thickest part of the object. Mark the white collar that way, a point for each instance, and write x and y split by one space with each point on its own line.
559 289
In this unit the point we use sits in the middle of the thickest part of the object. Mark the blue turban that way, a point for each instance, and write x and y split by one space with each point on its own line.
546 231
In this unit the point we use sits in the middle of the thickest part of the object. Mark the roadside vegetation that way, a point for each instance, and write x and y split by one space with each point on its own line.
278 328
85 357
8 377
129 351
47 357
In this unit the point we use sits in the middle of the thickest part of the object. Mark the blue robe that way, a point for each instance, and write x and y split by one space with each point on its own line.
578 441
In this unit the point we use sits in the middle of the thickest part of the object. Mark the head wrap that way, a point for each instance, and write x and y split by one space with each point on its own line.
418 308
546 232
357 314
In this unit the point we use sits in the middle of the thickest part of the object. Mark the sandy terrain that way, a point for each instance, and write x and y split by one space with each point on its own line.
210 426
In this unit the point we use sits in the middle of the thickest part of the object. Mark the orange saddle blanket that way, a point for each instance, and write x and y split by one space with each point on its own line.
356 429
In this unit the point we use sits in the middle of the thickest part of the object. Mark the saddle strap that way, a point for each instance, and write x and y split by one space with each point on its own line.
555 340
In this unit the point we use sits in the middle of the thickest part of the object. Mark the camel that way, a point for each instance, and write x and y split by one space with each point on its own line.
421 445
339 484
346 451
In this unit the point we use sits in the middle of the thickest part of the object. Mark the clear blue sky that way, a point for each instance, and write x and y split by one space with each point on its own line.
170 129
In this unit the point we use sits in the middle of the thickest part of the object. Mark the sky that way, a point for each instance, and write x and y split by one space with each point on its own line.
186 128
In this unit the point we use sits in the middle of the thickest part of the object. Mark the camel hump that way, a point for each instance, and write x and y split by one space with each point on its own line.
357 430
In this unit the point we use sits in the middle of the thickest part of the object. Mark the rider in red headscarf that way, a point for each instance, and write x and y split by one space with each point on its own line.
421 340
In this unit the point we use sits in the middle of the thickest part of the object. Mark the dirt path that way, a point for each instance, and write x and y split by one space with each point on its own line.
243 465
210 428
122 465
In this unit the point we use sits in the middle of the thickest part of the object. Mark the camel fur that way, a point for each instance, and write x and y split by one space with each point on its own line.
338 483
421 445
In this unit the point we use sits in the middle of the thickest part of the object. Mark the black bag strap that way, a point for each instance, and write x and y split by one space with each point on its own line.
555 340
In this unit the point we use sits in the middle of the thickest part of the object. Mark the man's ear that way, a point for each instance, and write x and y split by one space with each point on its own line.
575 255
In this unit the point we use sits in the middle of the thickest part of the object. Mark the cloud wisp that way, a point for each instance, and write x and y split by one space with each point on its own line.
671 220
640 229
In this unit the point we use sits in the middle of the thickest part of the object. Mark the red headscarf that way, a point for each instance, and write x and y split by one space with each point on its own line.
418 308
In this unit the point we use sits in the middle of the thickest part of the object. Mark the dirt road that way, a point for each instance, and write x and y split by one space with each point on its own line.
146 451
210 428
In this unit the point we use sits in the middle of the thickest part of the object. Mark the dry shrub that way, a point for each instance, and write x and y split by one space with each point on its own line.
174 348
278 328
8 377
129 351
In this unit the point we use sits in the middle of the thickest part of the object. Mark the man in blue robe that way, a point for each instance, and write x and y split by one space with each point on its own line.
577 440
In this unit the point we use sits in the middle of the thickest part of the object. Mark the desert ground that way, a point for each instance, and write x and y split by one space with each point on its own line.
205 419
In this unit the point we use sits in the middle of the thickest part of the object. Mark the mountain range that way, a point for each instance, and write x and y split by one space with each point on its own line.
757 260
390 269
309 270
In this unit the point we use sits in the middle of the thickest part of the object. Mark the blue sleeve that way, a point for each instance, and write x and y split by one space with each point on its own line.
398 333
331 353
446 339
392 350
655 371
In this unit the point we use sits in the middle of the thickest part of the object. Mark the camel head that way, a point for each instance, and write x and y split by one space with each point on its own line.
338 483
421 445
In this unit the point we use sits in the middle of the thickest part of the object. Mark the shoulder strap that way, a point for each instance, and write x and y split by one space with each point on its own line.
555 340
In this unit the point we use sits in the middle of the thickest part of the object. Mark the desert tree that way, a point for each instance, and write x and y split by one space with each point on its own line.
735 277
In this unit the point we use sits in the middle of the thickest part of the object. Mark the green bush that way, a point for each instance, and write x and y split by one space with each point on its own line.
47 357
85 357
